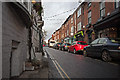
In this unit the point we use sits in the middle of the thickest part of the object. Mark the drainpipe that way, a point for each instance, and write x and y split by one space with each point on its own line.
29 42
41 41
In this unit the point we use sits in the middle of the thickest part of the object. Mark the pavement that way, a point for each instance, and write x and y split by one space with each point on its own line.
41 72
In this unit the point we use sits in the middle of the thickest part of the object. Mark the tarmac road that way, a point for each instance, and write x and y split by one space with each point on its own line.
69 65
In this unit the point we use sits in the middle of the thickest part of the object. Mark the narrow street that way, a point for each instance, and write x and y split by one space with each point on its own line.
69 65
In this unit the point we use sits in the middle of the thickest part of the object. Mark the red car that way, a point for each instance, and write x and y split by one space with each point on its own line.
77 46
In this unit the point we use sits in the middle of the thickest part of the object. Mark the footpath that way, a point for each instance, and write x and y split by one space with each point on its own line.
40 70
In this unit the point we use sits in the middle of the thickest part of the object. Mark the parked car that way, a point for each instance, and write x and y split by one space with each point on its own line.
54 46
77 46
58 45
64 46
106 48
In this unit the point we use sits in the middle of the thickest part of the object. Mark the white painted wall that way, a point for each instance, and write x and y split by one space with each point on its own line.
13 28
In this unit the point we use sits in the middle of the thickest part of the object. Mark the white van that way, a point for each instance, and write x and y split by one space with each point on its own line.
51 43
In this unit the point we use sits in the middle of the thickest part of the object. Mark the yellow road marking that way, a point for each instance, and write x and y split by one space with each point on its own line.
63 70
113 63
58 70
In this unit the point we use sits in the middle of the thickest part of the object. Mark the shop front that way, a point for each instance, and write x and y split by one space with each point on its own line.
71 40
66 40
109 26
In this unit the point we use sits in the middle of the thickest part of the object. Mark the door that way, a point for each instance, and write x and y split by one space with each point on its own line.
93 47
14 59
73 46
100 46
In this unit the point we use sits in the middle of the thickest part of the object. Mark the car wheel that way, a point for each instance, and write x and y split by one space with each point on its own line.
84 53
74 51
106 56
68 50
62 49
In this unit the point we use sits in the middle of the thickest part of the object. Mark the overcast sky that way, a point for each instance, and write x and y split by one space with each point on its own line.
52 8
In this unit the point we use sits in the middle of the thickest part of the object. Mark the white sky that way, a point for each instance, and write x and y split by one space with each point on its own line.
52 8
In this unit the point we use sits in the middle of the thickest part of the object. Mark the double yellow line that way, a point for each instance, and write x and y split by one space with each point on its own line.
59 68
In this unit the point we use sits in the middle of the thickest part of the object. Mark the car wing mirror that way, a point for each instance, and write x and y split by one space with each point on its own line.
91 44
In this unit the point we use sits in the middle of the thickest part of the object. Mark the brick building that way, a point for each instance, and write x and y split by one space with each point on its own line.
92 20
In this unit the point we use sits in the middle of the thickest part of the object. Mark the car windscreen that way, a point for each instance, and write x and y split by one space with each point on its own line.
59 43
117 40
67 44
82 43
52 42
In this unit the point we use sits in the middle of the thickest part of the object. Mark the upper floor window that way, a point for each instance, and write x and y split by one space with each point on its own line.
79 26
75 19
89 17
102 8
72 29
67 32
79 12
117 3
71 20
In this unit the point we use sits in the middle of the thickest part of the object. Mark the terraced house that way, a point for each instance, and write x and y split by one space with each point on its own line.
92 20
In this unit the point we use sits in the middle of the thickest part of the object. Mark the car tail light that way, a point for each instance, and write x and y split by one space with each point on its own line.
64 45
119 47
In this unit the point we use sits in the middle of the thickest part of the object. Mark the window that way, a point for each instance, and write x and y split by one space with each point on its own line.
79 12
102 41
117 3
52 42
75 18
67 32
73 43
71 20
79 26
95 41
102 8
89 17
82 43
72 29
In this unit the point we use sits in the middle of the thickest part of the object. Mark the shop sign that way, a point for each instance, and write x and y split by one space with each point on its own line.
79 34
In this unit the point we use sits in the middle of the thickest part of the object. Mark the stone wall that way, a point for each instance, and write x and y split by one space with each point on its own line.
14 45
